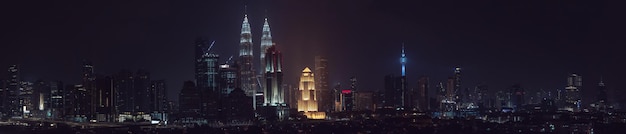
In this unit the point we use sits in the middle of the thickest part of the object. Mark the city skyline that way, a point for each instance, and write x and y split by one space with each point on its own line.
484 54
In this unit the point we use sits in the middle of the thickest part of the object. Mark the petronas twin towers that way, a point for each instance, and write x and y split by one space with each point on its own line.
269 68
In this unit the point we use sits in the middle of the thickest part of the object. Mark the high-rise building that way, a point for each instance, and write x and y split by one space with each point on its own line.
27 101
451 99
238 106
266 42
56 99
365 101
292 95
324 93
422 93
142 92
206 64
246 68
517 97
201 60
228 78
602 92
441 97
89 84
125 92
274 94
572 92
189 99
347 100
393 91
105 99
457 85
308 100
40 99
3 98
77 108
337 98
601 102
158 100
12 107
482 97
209 92
212 72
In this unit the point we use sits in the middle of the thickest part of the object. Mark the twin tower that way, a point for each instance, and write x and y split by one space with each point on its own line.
267 84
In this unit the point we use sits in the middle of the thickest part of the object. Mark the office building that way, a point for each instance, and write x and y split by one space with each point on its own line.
325 96
266 42
189 99
422 94
246 68
105 99
274 95
228 78
11 103
572 93
56 99
307 101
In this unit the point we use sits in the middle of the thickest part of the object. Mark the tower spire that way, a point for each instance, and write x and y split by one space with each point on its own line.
403 61
266 42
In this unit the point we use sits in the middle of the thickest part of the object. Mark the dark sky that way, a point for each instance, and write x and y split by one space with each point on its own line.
498 43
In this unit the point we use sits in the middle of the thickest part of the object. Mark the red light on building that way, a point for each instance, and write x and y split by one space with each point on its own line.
346 91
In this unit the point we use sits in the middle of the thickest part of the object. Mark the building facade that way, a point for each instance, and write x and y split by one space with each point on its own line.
308 100
325 96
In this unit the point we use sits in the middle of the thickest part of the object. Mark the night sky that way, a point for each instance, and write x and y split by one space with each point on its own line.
499 43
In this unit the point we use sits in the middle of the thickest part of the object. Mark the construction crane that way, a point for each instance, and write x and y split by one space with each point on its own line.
230 58
209 49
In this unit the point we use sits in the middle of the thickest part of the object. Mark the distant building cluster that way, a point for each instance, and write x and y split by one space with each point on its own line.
122 97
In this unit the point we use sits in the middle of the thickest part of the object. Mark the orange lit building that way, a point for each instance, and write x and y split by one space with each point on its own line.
307 102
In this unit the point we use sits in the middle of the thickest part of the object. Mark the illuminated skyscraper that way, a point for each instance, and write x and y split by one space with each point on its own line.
274 94
266 42
246 68
207 66
572 92
308 100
